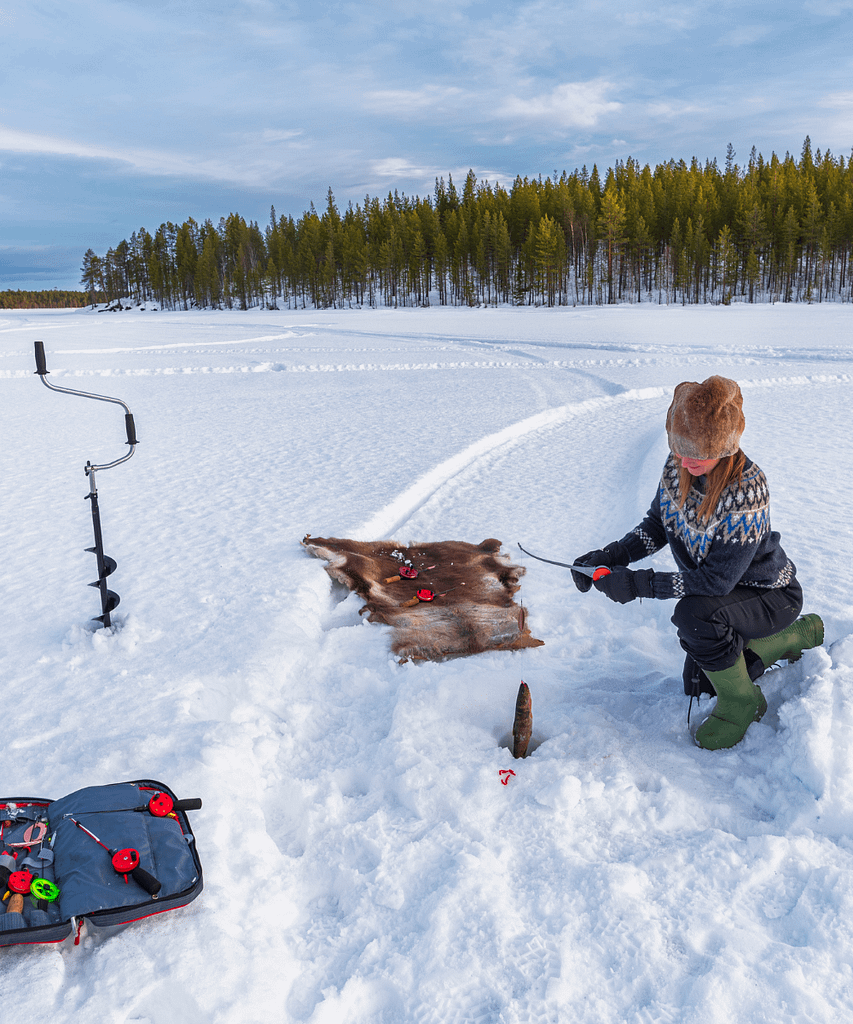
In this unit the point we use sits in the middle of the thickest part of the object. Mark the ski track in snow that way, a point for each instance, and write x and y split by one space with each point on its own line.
394 516
362 861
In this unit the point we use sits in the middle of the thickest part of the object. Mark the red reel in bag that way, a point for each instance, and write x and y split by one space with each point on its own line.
161 805
126 861
20 882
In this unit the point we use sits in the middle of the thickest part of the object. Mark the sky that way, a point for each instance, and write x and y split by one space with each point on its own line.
121 115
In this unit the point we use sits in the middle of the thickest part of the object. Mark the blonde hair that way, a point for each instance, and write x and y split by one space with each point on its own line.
729 468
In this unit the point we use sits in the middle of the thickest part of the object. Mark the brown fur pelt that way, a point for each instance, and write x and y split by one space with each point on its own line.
474 584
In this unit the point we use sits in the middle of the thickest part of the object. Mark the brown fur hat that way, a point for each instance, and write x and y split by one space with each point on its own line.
705 421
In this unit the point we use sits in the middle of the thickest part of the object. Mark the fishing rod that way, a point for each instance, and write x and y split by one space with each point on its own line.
126 862
595 572
106 565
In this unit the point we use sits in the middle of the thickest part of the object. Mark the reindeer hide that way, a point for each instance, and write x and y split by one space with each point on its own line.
473 609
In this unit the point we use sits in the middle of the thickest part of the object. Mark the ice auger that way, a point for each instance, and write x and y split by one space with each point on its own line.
106 565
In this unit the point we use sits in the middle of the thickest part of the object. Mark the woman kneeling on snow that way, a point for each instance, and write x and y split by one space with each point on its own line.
738 593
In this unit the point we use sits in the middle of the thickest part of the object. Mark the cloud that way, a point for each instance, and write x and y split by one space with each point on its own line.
673 110
745 35
842 123
405 102
273 135
838 100
422 178
240 167
828 8
570 105
400 169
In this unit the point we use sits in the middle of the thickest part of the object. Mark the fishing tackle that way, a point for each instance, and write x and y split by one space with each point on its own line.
161 805
126 862
595 572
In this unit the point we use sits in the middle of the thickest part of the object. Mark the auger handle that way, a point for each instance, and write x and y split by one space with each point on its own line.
41 364
130 426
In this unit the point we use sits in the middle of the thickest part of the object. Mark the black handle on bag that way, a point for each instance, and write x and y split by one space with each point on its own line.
148 882
193 804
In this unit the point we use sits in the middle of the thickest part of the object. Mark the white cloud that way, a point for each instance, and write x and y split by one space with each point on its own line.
672 110
409 101
237 167
828 8
570 105
841 123
422 178
273 135
745 35
838 100
400 167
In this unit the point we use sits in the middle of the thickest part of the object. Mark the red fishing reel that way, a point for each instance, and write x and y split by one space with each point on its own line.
161 805
425 595
407 571
20 882
126 861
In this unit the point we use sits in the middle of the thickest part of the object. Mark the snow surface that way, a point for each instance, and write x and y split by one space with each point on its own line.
363 861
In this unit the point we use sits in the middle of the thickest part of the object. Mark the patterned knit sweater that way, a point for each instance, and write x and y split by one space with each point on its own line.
735 547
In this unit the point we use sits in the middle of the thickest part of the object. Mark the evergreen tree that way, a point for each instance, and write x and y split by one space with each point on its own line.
91 271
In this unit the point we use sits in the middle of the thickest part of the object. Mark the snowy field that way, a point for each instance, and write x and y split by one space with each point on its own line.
363 862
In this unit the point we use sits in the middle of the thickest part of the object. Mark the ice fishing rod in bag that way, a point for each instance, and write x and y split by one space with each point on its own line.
106 565
595 572
126 862
161 805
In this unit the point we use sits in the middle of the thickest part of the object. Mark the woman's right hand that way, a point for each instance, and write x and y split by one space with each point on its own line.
612 555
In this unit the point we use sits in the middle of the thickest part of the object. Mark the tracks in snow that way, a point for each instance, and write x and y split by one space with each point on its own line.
393 517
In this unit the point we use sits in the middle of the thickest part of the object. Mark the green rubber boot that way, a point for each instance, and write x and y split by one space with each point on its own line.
739 703
802 635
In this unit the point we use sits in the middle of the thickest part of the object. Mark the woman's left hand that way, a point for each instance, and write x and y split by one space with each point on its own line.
625 585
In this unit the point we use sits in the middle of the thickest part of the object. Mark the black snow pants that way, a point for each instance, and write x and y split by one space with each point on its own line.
714 630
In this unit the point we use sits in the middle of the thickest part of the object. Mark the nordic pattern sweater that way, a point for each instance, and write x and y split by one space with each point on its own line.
735 547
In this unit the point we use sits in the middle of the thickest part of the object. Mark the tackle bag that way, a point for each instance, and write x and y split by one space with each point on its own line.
106 855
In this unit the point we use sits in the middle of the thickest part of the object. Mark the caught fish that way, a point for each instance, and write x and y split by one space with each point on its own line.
522 726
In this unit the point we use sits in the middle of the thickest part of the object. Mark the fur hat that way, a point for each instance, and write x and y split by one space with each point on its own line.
705 421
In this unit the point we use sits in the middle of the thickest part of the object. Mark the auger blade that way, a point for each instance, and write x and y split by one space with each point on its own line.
110 603
110 565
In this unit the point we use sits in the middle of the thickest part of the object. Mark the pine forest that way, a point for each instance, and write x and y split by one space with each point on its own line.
54 298
770 231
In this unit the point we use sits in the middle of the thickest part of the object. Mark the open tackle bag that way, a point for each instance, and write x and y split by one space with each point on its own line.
107 855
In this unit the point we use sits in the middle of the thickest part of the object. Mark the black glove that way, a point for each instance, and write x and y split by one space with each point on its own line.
614 554
624 585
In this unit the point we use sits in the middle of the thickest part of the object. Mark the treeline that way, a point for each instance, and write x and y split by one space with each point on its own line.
772 230
52 299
